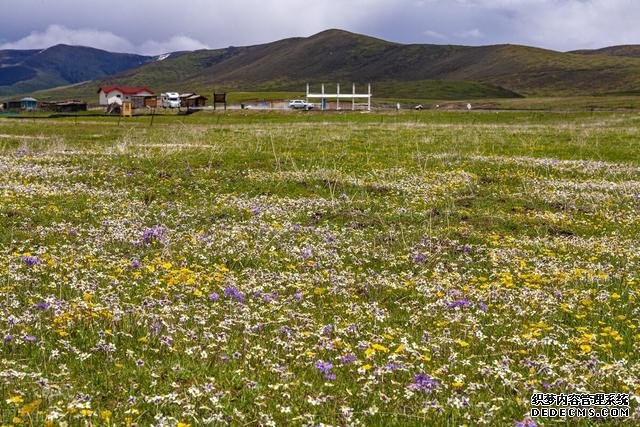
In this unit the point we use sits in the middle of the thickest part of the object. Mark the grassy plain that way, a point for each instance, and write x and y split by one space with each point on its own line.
431 268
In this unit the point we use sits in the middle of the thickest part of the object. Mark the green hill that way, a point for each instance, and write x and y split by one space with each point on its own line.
630 51
396 70
23 71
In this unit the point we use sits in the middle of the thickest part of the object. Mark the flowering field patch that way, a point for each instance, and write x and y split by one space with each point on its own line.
418 269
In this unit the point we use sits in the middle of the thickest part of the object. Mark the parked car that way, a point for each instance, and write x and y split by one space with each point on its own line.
299 104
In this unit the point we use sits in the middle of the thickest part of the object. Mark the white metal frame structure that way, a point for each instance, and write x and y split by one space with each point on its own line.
323 96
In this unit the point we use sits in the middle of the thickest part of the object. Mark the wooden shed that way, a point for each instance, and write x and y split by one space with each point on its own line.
11 105
64 106
193 100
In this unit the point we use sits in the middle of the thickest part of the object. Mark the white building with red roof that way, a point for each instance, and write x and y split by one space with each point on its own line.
123 93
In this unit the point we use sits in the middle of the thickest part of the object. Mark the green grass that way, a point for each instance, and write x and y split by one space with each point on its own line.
346 234
442 89
236 98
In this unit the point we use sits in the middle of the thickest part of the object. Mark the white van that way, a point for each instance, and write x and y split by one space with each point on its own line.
170 100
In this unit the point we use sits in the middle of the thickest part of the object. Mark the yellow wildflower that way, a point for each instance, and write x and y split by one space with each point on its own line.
380 347
29 407
106 415
15 399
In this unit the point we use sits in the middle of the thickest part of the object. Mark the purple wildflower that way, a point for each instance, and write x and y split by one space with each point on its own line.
348 358
298 295
135 264
270 297
325 368
460 303
30 261
362 346
29 338
327 330
8 338
419 257
307 253
157 233
233 292
285 331
393 366
527 422
213 296
82 398
423 382
484 307
43 305
139 362
156 327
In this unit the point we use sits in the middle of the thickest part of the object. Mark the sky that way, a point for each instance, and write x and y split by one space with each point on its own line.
158 26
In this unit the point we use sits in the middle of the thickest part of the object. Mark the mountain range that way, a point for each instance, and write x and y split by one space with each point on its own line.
24 71
417 71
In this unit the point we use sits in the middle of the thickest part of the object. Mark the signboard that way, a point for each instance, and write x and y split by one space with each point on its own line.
219 98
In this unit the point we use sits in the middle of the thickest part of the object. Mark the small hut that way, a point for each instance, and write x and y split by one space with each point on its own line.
63 106
29 104
11 105
190 100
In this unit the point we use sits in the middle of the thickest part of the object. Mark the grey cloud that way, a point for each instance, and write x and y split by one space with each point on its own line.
55 34
58 34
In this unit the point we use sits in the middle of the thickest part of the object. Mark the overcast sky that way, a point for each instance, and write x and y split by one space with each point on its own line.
159 26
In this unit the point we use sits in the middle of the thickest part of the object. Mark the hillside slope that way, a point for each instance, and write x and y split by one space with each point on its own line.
24 71
630 51
396 70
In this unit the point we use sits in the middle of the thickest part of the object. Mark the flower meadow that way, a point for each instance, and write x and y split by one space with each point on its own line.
348 269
